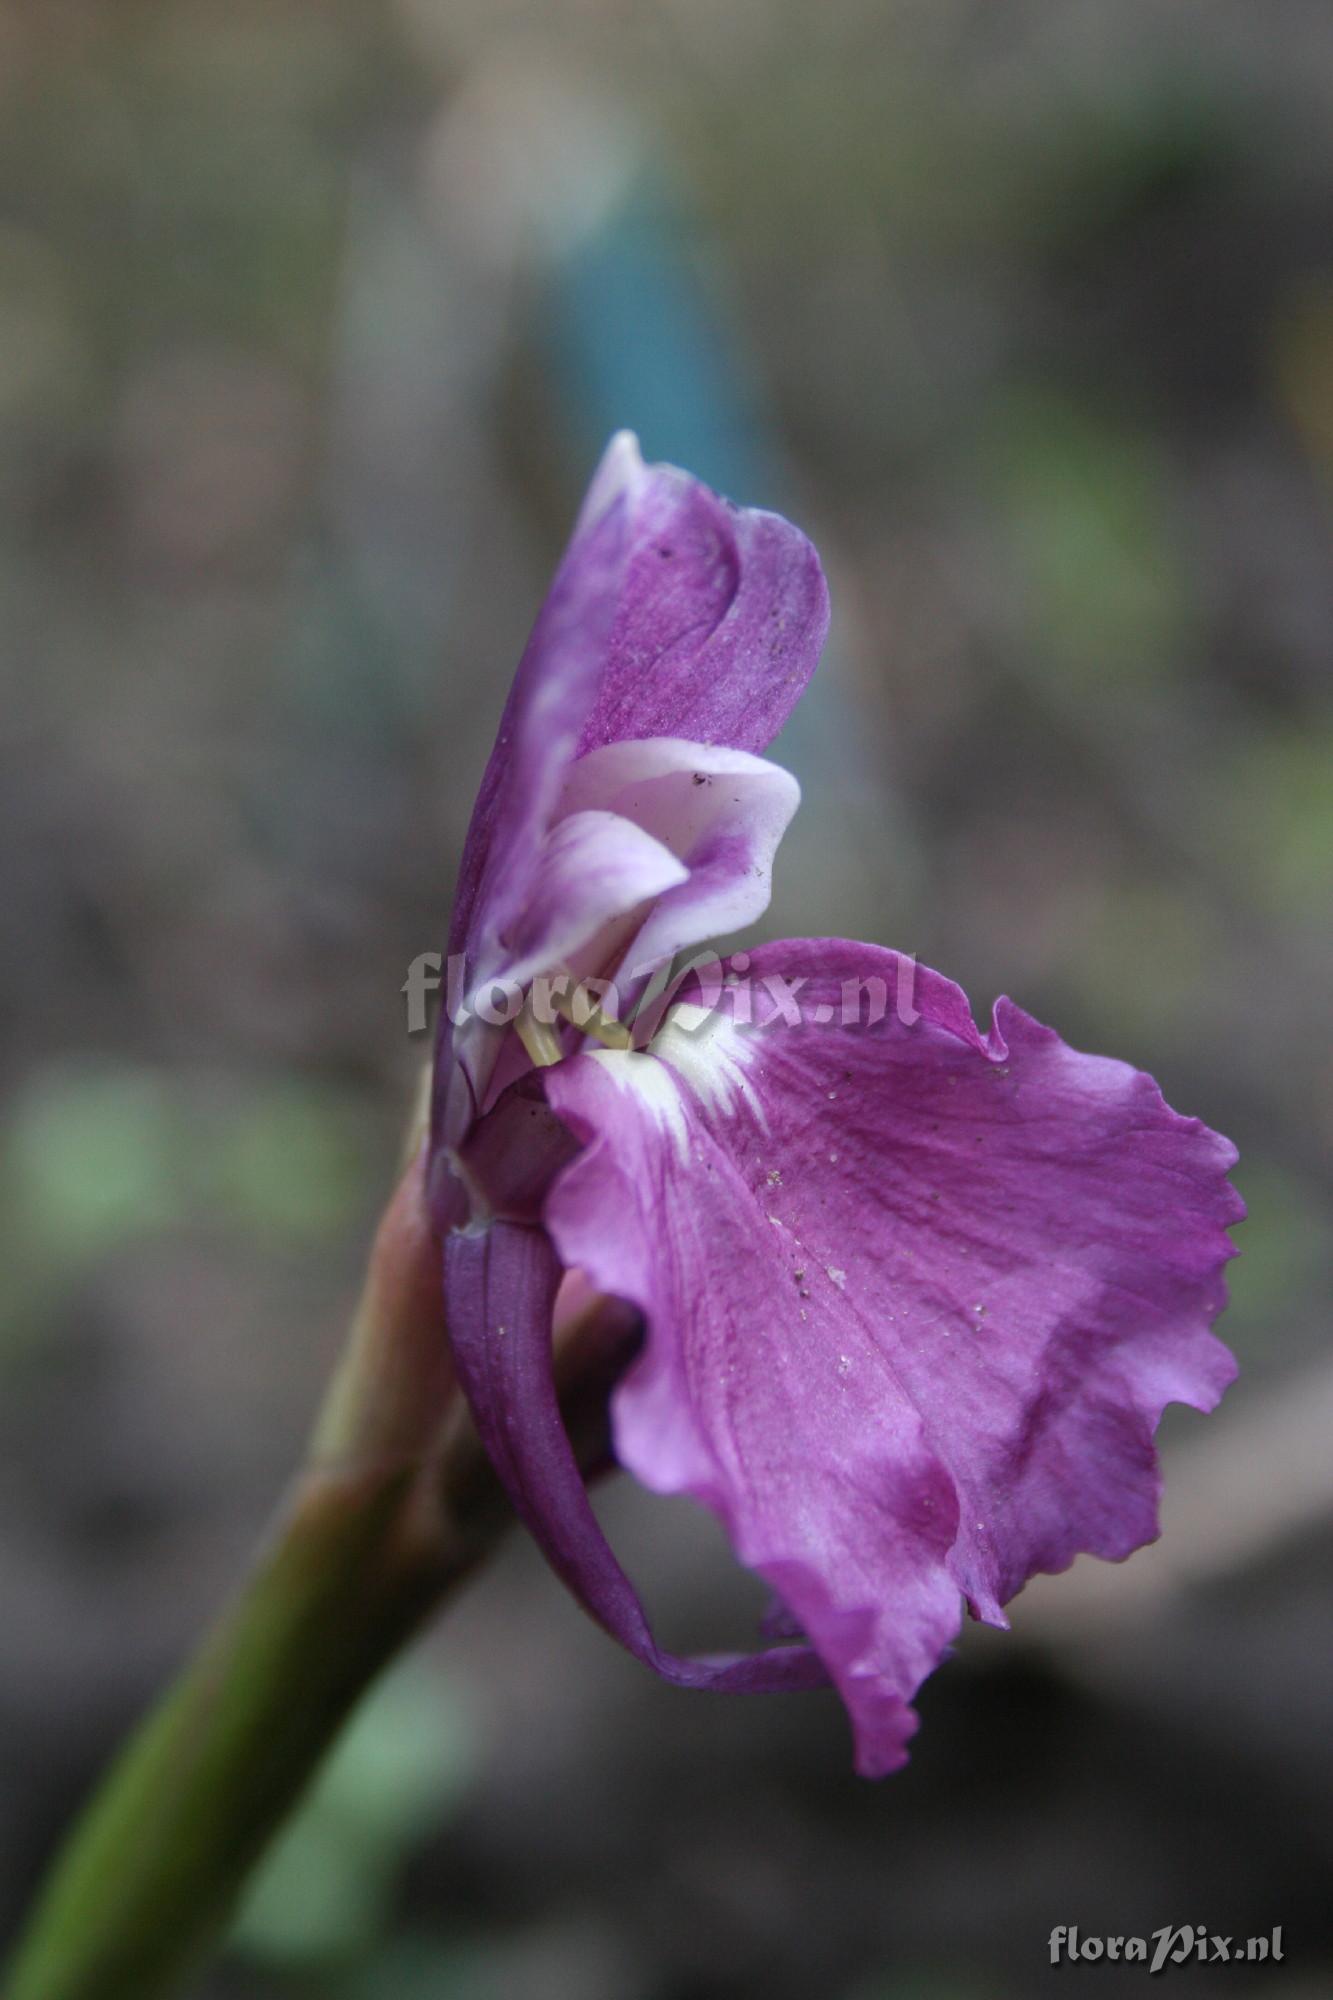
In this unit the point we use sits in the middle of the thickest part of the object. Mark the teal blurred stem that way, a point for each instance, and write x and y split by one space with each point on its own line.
396 1505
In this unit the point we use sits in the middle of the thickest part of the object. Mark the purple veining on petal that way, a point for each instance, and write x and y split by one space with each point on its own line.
500 1289
720 622
922 1300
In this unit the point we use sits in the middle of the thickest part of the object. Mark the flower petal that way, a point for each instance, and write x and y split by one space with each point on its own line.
722 811
673 613
500 1292
721 617
920 1300
594 868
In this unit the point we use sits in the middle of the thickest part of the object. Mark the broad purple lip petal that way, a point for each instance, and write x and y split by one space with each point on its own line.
923 1298
500 1287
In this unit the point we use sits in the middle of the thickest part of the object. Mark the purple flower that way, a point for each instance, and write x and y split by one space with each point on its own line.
914 1296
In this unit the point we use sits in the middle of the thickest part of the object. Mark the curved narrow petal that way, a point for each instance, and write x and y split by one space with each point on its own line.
923 1297
594 868
500 1291
723 812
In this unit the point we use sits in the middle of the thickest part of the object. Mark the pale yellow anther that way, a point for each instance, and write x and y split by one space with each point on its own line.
582 1008
538 1037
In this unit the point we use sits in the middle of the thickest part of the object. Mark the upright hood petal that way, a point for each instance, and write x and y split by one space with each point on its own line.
673 613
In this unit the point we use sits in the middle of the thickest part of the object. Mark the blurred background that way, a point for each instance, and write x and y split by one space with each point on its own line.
313 320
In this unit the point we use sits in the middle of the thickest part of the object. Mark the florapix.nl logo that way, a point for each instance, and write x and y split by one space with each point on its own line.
1171 1945
631 1010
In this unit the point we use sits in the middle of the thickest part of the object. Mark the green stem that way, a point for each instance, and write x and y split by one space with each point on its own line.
153 1871
394 1508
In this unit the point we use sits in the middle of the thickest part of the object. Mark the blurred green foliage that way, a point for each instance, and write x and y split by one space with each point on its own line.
99 1156
1083 499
